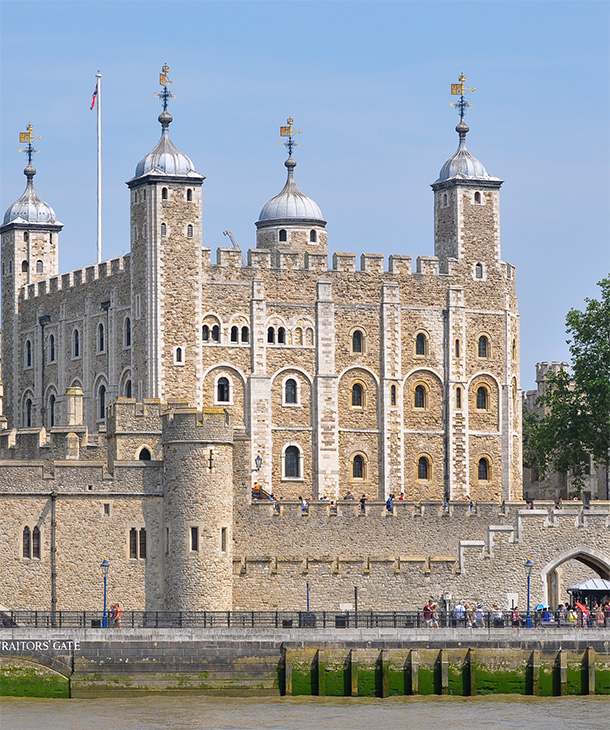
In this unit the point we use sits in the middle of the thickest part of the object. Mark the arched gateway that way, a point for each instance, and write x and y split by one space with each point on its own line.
593 559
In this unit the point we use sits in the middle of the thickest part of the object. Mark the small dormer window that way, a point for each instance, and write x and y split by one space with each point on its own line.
477 198
163 193
283 235
313 236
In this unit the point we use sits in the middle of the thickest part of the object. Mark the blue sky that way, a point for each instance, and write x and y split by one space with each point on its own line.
368 83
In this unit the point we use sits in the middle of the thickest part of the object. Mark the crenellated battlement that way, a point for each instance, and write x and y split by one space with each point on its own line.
188 425
77 278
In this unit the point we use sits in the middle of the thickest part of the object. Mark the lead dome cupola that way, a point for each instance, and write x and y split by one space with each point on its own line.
290 204
462 165
165 158
30 208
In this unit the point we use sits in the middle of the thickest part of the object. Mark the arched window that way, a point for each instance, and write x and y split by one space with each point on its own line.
189 195
283 236
392 395
215 333
163 193
290 391
357 395
419 400
28 413
298 336
10 267
205 333
222 390
24 266
189 231
357 341
142 543
478 271
51 348
420 344
423 468
39 266
514 350
127 332
270 335
163 230
281 336
36 543
234 334
26 236
133 543
28 354
75 343
101 340
457 348
482 397
358 467
51 411
483 469
477 198
292 462
483 346
178 355
245 334
128 389
458 397
445 199
144 455
27 543
101 403
313 236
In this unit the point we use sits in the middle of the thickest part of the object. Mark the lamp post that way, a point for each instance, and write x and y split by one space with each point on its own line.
528 618
104 566
258 462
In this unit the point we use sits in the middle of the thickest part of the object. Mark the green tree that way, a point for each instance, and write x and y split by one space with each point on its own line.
576 424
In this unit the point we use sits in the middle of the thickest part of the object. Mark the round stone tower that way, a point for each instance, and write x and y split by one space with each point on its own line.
198 509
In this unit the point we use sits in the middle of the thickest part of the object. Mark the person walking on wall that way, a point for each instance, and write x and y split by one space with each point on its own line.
363 504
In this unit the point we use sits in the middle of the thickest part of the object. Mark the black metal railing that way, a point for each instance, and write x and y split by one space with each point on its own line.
290 620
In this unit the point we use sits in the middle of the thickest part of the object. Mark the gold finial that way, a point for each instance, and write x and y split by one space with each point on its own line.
289 132
461 90
163 80
27 137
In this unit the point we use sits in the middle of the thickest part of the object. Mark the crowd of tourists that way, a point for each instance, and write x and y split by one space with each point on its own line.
474 615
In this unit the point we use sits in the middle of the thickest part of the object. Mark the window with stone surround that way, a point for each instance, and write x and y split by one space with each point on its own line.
458 397
292 462
223 390
358 395
189 231
245 334
189 195
281 336
101 403
482 398
392 395
484 470
51 411
424 469
205 333
421 344
420 396
313 236
271 335
39 266
457 348
445 200
194 539
163 230
164 194
215 333
26 543
478 271
477 198
27 413
291 392
224 531
127 332
24 267
359 467
357 341
36 543
283 235
483 347
144 454
234 334
137 543
51 348
28 354
101 338
179 356
127 391
75 343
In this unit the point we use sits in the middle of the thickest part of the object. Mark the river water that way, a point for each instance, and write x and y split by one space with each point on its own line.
308 713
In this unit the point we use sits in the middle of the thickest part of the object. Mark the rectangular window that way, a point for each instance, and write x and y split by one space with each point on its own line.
143 543
223 539
106 509
166 540
195 539
133 543
138 312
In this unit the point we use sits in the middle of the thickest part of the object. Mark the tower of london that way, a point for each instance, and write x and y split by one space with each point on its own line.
144 398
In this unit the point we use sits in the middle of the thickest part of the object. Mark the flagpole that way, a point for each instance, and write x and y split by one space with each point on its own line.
98 76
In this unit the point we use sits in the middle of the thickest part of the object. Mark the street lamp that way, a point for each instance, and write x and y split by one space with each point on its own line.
104 566
258 462
528 618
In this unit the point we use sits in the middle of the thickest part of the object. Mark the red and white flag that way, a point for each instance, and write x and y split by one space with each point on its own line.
93 98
